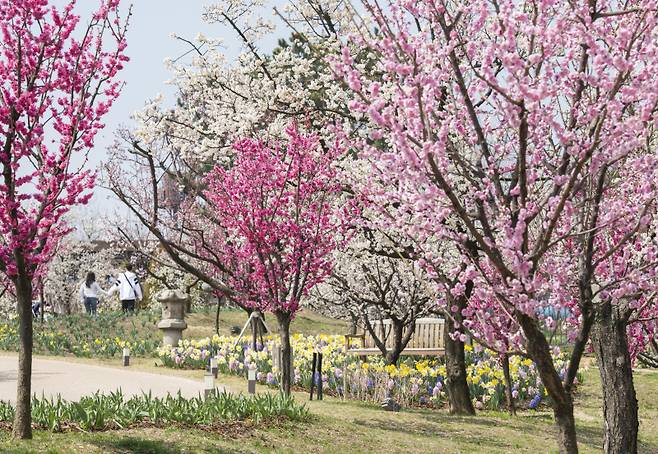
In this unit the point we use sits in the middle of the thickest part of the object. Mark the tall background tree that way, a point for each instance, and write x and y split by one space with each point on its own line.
59 78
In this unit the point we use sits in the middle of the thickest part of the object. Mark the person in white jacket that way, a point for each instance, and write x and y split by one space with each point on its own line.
129 289
89 292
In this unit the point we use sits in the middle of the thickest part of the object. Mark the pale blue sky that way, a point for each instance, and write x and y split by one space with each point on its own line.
149 43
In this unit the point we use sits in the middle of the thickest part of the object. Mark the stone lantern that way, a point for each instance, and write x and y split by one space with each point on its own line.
173 315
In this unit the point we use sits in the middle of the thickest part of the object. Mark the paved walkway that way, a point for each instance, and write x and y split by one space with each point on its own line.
73 380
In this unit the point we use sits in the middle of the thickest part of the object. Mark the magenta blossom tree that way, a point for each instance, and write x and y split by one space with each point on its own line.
502 118
58 79
277 225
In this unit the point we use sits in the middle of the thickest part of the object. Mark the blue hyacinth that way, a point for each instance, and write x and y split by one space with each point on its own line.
535 401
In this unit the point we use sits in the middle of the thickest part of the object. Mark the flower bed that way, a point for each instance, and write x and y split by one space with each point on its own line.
413 382
103 336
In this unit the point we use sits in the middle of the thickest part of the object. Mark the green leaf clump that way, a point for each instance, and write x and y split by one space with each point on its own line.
114 411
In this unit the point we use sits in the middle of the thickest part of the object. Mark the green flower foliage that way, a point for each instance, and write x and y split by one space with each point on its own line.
115 411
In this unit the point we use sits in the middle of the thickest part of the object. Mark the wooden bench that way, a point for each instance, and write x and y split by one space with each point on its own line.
427 339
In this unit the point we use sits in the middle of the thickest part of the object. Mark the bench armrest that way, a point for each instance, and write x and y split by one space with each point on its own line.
349 337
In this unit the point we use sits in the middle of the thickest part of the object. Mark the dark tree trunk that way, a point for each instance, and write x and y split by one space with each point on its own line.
459 395
42 304
620 410
219 305
566 427
504 359
286 351
562 403
354 325
22 428
398 338
392 355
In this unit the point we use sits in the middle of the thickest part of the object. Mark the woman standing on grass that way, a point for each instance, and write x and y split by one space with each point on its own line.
89 292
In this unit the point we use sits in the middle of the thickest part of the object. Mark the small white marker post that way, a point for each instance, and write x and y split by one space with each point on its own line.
213 366
251 383
209 384
126 357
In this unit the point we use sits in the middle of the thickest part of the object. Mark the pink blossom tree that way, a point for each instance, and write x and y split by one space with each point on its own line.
501 117
58 80
278 223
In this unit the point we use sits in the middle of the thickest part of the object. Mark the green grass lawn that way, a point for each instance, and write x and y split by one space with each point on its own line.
348 427
202 324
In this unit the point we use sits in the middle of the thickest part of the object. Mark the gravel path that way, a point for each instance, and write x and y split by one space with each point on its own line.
73 380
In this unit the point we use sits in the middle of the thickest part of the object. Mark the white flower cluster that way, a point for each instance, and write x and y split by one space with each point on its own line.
374 277
258 95
255 95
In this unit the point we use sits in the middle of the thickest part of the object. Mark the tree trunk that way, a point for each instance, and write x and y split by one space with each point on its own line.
566 427
459 395
620 410
504 359
42 304
286 351
392 355
22 428
219 305
562 403
353 325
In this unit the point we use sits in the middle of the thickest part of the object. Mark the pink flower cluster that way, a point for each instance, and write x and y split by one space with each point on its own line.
57 82
526 132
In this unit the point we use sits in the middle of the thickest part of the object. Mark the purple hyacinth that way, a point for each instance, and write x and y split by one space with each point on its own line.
436 392
535 401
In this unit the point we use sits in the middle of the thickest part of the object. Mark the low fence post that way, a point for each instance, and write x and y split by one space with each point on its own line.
313 368
319 376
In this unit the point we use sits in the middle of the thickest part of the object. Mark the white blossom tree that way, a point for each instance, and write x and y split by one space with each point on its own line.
374 279
69 268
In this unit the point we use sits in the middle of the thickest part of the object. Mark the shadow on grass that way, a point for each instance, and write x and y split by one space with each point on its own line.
499 431
463 436
136 445
139 445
